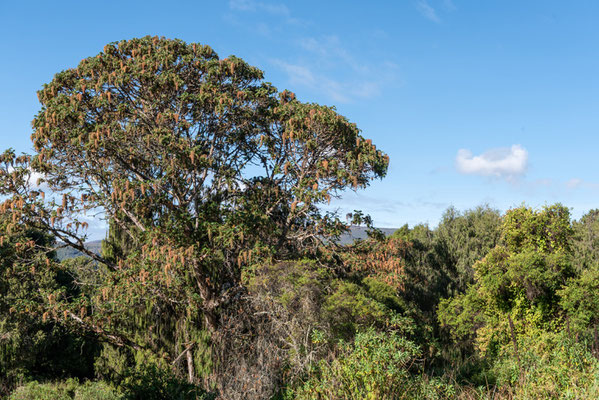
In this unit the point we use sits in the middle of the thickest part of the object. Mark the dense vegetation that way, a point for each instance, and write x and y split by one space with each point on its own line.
221 278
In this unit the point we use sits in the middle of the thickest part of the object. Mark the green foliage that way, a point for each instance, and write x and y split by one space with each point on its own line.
465 238
552 366
586 243
145 325
439 262
580 301
324 301
151 383
532 308
37 391
517 283
348 308
97 390
67 390
420 266
580 297
302 309
31 345
202 169
118 243
374 366
159 384
383 293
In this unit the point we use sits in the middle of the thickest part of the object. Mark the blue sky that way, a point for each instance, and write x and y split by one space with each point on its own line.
474 101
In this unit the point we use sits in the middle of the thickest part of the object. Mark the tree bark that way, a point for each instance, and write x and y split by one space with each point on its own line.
190 370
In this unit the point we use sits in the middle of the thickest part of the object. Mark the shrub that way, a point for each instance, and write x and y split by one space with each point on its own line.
550 366
70 389
97 391
38 391
158 384
374 366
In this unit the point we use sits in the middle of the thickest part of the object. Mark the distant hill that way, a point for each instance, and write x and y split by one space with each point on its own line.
359 232
356 233
67 252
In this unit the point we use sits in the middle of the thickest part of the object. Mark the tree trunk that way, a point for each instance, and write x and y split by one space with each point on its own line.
190 370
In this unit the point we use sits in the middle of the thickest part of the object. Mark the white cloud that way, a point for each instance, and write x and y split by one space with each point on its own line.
448 4
302 75
543 182
427 11
298 74
329 51
318 66
35 180
250 5
506 162
276 10
337 90
576 183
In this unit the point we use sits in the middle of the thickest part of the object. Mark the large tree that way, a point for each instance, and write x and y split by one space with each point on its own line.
205 167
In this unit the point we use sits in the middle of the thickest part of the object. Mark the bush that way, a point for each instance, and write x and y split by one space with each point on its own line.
374 366
158 384
37 391
67 390
97 391
552 366
349 308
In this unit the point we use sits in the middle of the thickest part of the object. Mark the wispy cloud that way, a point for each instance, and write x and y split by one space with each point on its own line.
336 89
448 4
576 183
318 64
427 11
298 74
251 5
276 10
506 162
322 64
542 182
330 50
302 75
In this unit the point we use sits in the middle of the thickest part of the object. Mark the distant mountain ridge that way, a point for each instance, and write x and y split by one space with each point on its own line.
360 233
356 233
64 253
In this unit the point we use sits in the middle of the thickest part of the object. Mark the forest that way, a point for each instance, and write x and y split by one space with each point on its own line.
221 277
